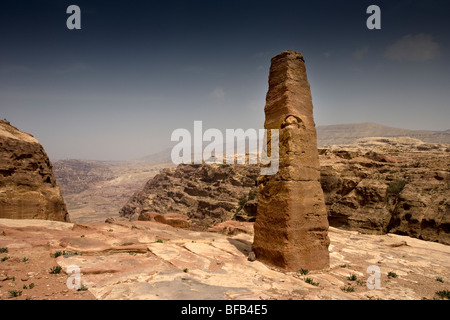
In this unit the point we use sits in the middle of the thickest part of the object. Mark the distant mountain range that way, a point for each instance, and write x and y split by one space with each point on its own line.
344 134
347 133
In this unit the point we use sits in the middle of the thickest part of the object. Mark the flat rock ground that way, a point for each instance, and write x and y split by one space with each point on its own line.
148 260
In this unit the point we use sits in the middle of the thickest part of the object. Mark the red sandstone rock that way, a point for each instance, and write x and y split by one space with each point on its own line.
176 220
291 223
28 189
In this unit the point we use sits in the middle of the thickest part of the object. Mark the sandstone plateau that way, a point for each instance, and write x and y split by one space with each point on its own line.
149 260
28 189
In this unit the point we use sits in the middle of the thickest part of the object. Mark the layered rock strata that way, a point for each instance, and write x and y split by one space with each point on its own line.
291 223
28 189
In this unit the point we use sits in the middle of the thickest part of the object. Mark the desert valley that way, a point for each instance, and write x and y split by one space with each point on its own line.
360 212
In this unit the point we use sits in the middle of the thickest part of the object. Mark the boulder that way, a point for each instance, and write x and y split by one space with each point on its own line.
28 188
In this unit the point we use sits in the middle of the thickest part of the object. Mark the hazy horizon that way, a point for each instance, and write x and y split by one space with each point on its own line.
117 88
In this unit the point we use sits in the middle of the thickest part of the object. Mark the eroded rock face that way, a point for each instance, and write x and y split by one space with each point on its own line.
207 194
291 223
355 180
28 189
380 185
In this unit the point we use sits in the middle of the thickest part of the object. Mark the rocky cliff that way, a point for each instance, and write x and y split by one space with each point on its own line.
205 193
28 189
380 185
376 185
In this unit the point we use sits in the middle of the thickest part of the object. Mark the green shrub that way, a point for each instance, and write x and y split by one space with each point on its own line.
66 253
82 288
55 270
392 274
303 271
395 187
311 281
439 279
31 286
251 195
348 289
3 250
352 277
15 293
444 294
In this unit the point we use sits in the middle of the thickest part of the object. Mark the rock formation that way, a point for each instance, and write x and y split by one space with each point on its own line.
207 194
145 260
397 185
291 223
355 180
28 189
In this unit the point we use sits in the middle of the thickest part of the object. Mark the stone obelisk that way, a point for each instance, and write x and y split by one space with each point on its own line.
291 227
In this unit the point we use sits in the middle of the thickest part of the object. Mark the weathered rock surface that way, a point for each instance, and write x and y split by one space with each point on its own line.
148 260
176 220
28 189
355 179
291 223
380 185
207 194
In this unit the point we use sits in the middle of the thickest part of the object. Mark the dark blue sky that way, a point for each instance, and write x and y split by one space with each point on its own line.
137 70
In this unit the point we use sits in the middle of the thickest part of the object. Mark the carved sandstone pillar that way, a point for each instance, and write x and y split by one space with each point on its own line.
291 228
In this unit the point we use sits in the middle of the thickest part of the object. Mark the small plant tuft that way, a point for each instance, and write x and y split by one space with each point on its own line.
185 270
303 271
311 281
348 289
4 258
15 293
55 270
395 187
82 288
25 259
66 253
31 286
439 279
444 294
3 250
392 274
159 241
352 277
